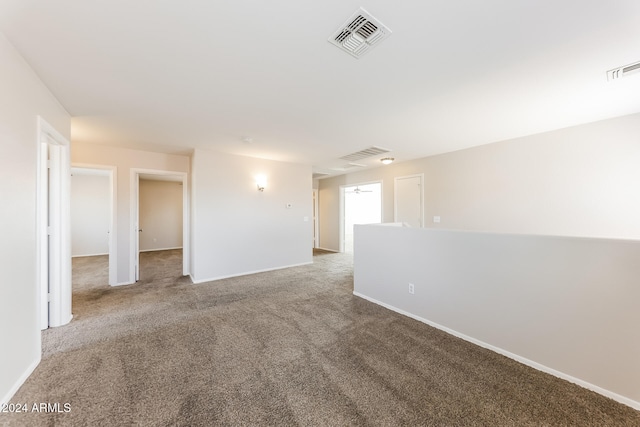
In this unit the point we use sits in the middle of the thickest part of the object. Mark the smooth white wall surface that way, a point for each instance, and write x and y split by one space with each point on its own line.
125 160
90 214
160 215
578 181
569 304
236 229
24 98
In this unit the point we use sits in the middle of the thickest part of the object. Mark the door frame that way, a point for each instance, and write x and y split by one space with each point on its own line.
343 207
395 196
53 237
113 230
134 238
316 228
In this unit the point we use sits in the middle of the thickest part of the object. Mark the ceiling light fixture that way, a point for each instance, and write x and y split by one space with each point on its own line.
387 160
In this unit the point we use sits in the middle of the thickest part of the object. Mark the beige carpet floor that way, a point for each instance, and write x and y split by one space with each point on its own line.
288 347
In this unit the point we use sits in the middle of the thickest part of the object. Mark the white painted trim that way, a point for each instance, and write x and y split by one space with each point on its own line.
23 378
160 249
134 259
395 196
133 215
42 249
329 250
54 252
316 217
113 218
247 273
124 284
610 394
83 255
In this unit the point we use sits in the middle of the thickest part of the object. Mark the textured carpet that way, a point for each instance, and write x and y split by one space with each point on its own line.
288 347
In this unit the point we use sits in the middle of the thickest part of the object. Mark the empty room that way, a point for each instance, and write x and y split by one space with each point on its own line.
319 213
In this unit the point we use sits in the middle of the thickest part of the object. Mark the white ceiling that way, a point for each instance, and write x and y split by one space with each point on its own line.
169 75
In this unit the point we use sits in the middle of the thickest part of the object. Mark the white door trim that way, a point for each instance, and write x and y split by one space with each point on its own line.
395 196
316 227
113 230
134 214
53 240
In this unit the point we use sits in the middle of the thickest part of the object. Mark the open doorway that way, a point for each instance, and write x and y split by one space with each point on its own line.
93 248
159 205
362 205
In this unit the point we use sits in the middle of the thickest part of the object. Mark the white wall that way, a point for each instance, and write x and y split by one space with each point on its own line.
578 181
125 160
237 229
160 215
90 214
568 304
23 98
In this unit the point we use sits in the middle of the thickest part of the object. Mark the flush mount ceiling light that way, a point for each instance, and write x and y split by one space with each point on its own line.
359 34
387 160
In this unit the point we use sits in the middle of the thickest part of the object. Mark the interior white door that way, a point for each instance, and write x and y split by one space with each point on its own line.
408 200
43 237
54 237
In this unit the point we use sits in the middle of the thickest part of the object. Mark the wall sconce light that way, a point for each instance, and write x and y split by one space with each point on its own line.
387 160
261 182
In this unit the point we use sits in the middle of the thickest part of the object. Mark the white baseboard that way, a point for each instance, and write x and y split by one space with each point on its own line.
195 282
84 255
328 250
610 394
160 249
7 397
123 284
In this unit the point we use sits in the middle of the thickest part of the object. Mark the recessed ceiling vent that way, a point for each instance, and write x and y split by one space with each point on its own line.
347 167
363 154
620 72
359 34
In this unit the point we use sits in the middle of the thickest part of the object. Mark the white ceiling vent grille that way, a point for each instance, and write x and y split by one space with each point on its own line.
363 154
620 72
348 166
359 34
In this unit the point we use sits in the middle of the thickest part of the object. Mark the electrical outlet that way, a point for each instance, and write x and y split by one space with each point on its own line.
411 288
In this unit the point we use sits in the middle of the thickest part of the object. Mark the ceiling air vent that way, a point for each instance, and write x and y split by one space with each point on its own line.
363 154
359 34
620 72
347 167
